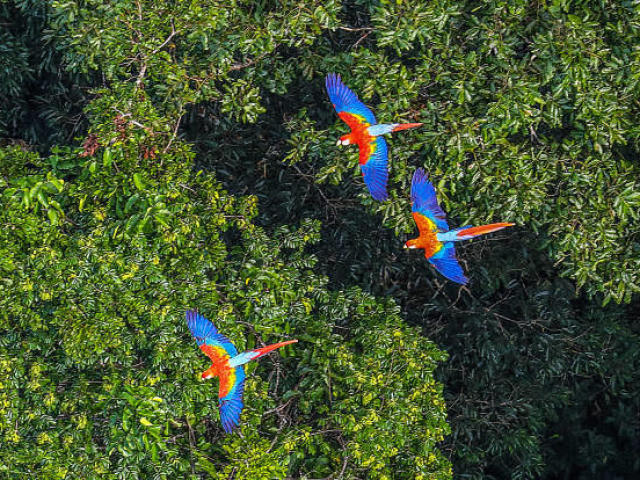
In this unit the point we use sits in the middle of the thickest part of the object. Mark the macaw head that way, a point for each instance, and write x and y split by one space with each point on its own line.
210 372
344 140
411 243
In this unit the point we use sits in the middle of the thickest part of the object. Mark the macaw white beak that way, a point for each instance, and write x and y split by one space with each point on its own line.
339 142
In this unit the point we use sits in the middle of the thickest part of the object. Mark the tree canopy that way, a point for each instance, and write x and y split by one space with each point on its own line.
160 156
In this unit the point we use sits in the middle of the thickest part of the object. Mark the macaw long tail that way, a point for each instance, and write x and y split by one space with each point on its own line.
264 350
249 355
404 126
470 232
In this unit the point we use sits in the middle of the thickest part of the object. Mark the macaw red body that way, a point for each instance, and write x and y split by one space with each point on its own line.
435 237
359 135
428 239
366 133
226 364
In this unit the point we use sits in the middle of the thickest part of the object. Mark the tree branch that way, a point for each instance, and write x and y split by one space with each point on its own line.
173 34
248 63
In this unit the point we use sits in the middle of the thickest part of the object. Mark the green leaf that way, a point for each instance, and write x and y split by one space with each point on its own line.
137 180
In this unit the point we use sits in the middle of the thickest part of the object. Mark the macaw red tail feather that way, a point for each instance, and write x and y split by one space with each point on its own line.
475 231
269 348
404 126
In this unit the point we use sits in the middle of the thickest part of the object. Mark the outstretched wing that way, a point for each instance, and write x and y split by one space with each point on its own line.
425 203
351 110
374 168
215 345
230 397
447 264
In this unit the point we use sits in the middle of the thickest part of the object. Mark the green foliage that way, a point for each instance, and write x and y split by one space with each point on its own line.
95 340
540 381
208 177
39 101
105 247
528 117
377 408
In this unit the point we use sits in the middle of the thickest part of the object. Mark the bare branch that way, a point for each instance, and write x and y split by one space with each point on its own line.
132 121
173 34
361 39
143 71
175 133
363 29
248 63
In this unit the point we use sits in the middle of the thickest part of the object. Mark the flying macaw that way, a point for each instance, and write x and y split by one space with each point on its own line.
366 133
227 366
435 237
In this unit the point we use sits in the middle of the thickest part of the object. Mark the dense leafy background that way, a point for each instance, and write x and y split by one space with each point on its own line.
164 155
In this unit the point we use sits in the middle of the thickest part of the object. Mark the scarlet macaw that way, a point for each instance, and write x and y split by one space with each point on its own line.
366 133
435 237
227 366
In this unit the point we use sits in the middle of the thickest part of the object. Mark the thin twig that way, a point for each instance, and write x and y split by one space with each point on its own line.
248 63
187 187
132 121
329 204
141 74
192 442
175 133
363 29
173 33
344 467
361 39
139 10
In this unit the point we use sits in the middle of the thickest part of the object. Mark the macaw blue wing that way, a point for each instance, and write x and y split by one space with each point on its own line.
375 169
344 100
447 264
425 202
206 334
231 404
